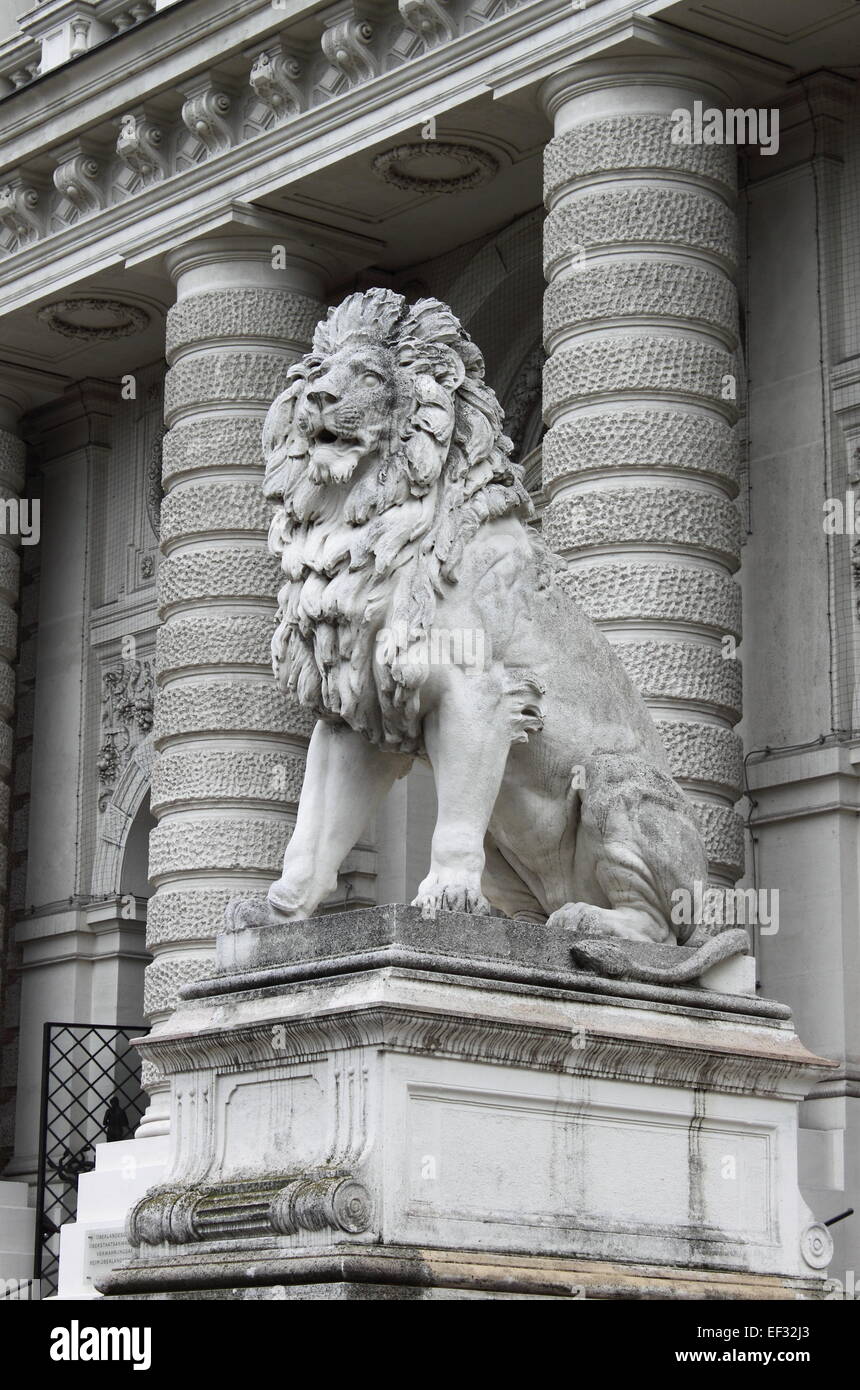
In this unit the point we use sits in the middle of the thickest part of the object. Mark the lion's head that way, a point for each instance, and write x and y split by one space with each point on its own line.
385 454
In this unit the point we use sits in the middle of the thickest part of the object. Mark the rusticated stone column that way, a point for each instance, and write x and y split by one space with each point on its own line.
12 456
639 462
12 460
230 747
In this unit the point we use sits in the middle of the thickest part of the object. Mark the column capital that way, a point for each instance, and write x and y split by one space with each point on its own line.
239 231
244 261
611 86
656 62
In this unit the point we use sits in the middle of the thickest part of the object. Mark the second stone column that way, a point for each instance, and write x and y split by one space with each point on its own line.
230 747
640 395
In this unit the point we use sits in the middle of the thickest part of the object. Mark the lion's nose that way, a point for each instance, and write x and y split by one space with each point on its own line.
322 399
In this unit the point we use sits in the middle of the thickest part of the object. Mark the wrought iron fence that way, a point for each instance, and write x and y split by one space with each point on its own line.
90 1091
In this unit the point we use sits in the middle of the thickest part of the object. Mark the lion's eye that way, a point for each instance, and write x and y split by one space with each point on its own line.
371 379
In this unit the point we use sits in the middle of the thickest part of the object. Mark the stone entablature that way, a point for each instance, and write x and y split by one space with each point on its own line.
225 111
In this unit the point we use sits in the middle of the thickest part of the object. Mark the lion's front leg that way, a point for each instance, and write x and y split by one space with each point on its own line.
467 736
345 779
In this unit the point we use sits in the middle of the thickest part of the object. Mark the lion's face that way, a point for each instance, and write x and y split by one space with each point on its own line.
350 404
352 412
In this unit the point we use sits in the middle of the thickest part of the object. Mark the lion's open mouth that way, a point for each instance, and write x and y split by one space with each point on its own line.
339 439
334 457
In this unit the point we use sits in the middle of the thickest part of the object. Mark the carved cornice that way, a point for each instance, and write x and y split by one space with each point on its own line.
346 42
431 20
355 45
206 115
594 1051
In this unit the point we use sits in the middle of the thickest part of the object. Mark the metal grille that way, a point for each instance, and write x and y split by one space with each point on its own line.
90 1092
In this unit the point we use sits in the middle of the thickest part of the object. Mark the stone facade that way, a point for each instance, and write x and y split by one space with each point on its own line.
174 215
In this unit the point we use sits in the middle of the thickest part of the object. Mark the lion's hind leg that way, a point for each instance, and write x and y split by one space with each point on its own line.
505 889
644 844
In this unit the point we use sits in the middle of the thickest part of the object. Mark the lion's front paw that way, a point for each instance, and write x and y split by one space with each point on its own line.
251 912
455 892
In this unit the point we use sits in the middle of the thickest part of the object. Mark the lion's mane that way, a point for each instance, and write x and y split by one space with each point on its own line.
383 548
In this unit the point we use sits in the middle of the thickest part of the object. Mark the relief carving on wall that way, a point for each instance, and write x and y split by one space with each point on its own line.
128 691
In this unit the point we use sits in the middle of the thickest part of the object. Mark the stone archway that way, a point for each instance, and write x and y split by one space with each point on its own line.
118 818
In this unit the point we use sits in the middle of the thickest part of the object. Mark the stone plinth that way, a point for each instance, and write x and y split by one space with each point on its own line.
373 1105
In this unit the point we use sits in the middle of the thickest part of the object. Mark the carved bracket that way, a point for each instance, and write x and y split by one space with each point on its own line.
19 211
346 43
77 178
274 80
141 147
205 115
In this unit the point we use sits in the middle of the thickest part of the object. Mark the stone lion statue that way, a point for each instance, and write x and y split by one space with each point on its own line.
421 617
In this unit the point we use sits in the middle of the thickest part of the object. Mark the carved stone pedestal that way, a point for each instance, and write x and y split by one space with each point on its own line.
371 1105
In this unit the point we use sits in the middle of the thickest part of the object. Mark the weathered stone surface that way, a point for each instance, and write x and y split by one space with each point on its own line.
640 364
665 593
456 943
640 515
656 440
223 790
186 914
209 507
684 671
219 441
13 457
279 315
226 843
640 244
649 289
703 753
631 143
203 639
231 376
611 216
227 774
221 707
216 572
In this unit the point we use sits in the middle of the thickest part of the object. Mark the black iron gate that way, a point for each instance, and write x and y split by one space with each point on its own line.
90 1092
